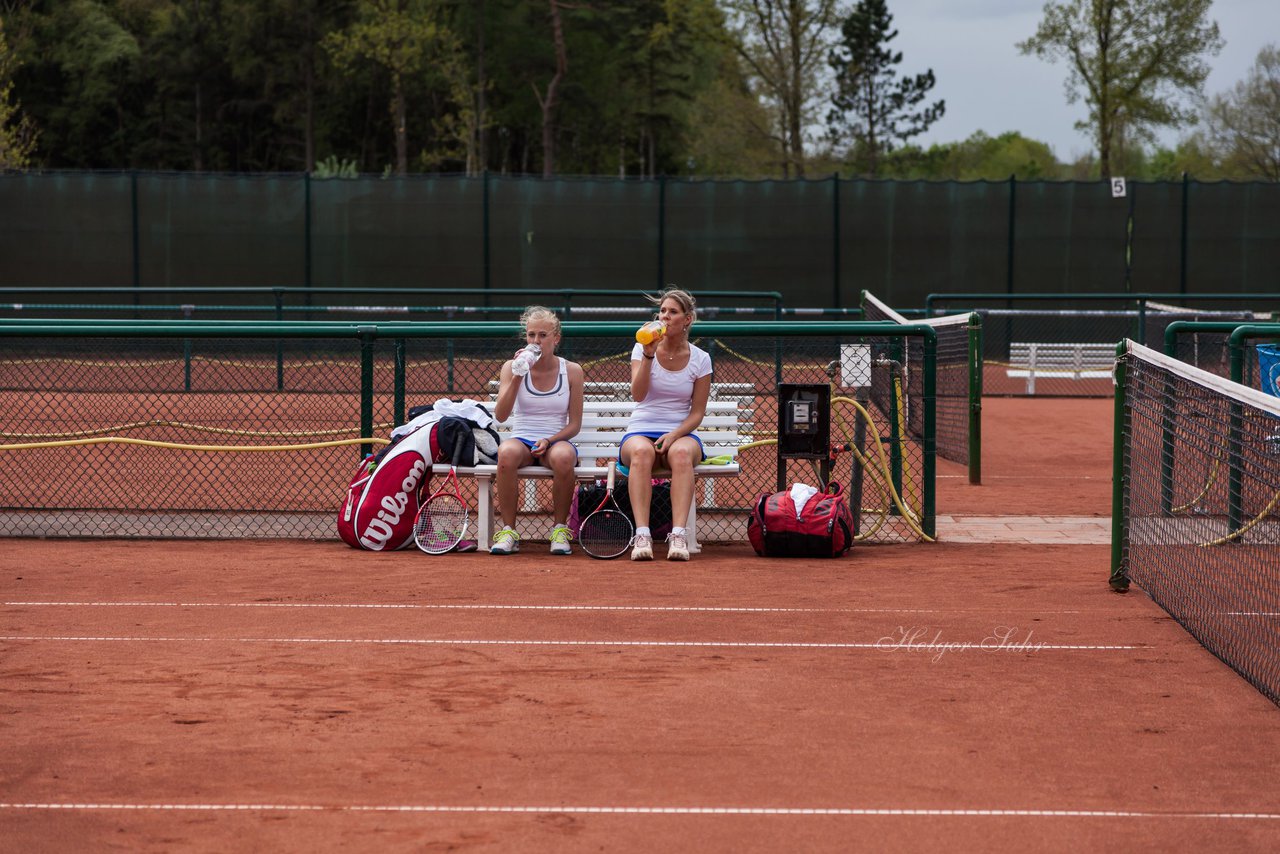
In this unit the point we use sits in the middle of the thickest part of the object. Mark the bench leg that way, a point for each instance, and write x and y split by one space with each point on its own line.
484 512
691 528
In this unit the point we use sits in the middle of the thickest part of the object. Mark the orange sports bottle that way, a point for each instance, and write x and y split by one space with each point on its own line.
650 332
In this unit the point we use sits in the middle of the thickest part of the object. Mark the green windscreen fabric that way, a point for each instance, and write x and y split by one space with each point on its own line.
752 236
906 240
198 230
411 232
1157 229
1233 237
573 234
816 242
65 229
1069 238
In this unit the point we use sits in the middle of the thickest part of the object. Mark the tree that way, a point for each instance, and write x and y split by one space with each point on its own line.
784 44
398 37
871 106
1244 123
1131 60
17 131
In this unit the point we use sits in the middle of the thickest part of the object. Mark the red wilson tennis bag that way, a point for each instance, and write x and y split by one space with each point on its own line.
823 527
380 506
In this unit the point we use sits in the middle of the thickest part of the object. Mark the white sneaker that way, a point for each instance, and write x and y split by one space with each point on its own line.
642 548
505 542
560 537
677 547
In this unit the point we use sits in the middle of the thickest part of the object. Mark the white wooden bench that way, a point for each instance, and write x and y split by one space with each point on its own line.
1064 360
603 390
604 423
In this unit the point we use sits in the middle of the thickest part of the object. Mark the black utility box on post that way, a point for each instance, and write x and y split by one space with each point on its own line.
804 427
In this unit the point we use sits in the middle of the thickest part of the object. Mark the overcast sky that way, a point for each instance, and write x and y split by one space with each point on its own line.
989 86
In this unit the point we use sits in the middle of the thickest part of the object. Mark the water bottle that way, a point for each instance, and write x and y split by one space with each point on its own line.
524 360
650 332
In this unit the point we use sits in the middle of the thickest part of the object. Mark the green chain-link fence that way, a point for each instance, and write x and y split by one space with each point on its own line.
252 429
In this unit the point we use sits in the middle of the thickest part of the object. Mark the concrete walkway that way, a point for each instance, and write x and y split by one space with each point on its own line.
1055 530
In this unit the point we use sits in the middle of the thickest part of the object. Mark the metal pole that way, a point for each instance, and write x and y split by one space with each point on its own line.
1119 523
1182 241
367 335
835 240
976 365
662 231
484 226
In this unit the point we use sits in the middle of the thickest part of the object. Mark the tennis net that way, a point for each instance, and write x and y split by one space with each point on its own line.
958 383
1196 521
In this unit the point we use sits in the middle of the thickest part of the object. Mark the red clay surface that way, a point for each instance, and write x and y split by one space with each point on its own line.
1040 457
159 696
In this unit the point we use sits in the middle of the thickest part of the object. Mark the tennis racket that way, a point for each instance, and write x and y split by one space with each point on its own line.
442 522
607 532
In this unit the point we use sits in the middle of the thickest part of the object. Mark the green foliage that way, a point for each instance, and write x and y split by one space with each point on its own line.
1244 123
978 158
871 105
332 167
783 45
1130 60
17 131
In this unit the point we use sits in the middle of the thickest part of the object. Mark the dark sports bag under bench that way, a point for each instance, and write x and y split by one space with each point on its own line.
823 527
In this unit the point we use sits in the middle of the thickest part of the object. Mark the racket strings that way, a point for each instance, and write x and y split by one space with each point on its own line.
606 533
441 524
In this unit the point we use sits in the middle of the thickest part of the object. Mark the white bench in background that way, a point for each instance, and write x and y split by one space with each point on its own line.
604 423
1060 360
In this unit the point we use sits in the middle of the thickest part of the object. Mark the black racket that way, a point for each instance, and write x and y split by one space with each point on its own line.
442 522
607 532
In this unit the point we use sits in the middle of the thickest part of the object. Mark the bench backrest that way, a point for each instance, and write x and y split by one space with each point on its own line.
621 391
1062 353
604 423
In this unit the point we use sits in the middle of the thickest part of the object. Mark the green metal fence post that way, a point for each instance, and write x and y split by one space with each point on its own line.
398 405
835 240
1182 238
930 441
976 364
278 294
367 336
484 226
1129 227
137 243
1119 522
1012 232
306 228
662 231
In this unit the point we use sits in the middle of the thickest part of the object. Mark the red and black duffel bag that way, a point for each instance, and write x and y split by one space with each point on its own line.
823 527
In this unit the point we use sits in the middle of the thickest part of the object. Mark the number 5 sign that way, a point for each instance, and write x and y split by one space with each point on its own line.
1117 188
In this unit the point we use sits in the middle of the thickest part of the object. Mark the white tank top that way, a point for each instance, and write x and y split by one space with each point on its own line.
539 414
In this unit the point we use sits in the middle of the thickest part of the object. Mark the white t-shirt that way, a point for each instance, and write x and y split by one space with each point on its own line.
670 392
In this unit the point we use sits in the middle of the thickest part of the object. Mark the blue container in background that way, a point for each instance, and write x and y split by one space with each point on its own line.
1269 368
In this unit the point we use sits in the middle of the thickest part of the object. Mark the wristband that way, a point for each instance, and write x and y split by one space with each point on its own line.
648 357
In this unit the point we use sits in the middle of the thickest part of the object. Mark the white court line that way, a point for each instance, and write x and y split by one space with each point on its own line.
497 607
622 810
894 644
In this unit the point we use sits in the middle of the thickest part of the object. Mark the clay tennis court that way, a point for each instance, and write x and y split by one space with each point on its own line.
985 692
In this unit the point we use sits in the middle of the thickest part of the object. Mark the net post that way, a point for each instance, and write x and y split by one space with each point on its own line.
976 366
927 520
1119 521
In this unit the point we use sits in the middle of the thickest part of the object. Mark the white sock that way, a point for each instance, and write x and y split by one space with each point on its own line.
677 532
643 532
